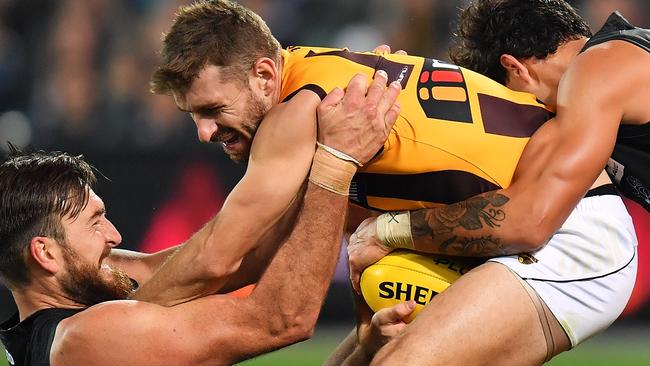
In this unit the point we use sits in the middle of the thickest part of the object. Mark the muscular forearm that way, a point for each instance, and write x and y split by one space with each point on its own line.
546 187
256 262
139 266
181 278
211 261
481 226
290 294
298 277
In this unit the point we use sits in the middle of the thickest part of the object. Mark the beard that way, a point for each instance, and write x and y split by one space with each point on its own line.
85 283
254 114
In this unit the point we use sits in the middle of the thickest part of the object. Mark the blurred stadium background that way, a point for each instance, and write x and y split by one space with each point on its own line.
74 75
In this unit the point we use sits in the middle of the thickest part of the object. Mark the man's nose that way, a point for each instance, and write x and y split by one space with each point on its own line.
113 236
206 128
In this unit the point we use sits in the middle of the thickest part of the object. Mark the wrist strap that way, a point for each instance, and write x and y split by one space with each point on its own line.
339 154
394 230
331 173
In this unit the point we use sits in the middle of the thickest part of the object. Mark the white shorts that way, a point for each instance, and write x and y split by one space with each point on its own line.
586 271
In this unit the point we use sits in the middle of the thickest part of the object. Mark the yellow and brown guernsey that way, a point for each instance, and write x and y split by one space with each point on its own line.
458 134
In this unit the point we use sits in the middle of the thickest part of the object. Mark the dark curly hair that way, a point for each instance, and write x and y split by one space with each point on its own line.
521 28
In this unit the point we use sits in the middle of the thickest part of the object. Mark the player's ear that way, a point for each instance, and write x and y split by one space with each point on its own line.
46 253
517 74
265 75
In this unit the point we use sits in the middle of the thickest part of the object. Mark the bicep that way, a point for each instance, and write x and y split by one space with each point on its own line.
215 329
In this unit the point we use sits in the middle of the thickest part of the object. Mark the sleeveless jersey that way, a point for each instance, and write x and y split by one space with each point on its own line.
629 166
459 133
28 343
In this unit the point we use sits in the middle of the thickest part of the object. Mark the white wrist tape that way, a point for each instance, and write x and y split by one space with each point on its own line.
339 154
394 230
331 173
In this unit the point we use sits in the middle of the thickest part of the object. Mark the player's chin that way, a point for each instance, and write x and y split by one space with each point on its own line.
238 156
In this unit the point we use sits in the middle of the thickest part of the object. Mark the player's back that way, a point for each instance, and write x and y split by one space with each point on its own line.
458 134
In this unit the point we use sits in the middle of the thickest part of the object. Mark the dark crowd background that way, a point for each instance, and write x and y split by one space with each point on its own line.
74 76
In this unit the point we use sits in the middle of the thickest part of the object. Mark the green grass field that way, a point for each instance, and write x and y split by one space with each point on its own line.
618 347
313 354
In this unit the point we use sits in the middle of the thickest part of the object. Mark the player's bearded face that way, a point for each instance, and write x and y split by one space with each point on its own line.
93 283
236 141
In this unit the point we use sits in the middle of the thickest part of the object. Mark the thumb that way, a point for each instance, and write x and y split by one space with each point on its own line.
404 309
396 313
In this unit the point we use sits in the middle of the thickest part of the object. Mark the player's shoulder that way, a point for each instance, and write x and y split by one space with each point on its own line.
105 317
294 112
109 324
611 60
286 127
607 69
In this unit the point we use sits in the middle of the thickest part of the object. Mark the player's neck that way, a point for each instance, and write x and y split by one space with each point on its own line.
569 50
30 300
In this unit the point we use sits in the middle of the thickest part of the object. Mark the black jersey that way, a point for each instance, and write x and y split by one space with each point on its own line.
28 343
629 166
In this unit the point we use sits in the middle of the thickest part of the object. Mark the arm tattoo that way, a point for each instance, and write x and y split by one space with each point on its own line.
442 225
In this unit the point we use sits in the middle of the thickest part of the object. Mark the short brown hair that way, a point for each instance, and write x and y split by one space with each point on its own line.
36 191
211 32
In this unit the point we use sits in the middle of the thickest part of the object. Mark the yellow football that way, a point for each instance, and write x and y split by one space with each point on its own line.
403 275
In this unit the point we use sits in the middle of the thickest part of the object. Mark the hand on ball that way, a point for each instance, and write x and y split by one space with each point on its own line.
363 250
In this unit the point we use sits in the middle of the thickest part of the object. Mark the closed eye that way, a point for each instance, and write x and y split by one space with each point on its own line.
210 112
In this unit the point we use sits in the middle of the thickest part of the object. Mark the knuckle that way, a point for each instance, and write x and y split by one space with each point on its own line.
353 103
351 249
370 110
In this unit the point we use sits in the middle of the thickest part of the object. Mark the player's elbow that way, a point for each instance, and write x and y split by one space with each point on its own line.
534 242
293 328
532 235
214 267
300 330
218 270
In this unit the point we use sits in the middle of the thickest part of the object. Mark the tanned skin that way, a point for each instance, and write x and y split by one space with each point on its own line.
222 330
